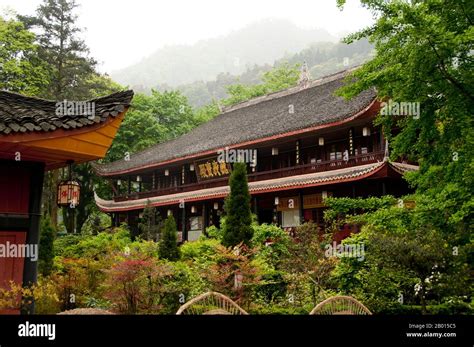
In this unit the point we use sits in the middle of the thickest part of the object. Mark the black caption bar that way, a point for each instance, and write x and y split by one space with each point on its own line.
244 330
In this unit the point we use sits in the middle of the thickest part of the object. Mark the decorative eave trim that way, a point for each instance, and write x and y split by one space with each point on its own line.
255 188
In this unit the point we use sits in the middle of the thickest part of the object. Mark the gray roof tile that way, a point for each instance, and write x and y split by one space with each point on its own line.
258 118
19 113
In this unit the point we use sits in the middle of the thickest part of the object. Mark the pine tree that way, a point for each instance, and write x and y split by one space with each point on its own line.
237 207
67 54
168 248
72 76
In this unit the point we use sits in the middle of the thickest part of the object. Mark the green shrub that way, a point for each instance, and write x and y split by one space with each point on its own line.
168 247
200 250
93 246
46 246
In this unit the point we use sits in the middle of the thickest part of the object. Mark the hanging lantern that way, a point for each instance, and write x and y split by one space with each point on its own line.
366 131
167 172
69 192
139 178
274 151
191 167
216 206
321 141
277 200
170 213
193 209
119 182
324 194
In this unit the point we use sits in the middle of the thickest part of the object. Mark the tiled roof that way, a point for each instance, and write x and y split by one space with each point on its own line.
285 183
278 113
22 114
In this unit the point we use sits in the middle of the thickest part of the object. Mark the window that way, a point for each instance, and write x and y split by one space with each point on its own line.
290 218
195 223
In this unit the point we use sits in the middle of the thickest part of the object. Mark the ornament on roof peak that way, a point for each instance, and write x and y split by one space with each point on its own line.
303 82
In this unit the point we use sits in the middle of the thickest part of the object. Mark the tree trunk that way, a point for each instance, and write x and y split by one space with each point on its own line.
422 299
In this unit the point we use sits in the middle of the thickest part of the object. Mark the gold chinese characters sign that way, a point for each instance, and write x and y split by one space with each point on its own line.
212 168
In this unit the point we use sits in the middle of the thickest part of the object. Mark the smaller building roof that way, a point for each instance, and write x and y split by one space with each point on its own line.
23 114
55 133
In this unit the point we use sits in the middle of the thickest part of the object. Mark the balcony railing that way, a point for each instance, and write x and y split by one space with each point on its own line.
328 165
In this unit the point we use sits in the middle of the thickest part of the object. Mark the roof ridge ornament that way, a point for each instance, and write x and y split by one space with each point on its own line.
304 79
218 103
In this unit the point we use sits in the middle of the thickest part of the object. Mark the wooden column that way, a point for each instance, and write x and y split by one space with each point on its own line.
183 224
300 206
255 206
205 223
297 159
351 141
30 272
382 144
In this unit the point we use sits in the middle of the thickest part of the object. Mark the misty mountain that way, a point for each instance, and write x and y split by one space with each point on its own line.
322 58
259 43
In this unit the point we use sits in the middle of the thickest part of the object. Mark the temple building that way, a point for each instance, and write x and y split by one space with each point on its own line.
304 144
36 136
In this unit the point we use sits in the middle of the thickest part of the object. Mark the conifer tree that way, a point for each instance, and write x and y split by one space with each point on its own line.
168 248
238 228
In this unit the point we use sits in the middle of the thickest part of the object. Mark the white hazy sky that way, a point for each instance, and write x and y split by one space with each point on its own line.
121 32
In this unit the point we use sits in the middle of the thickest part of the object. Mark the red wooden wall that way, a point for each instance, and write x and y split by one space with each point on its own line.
14 190
14 201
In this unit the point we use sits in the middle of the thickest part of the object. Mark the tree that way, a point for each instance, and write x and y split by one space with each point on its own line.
424 58
21 68
72 76
238 226
150 222
168 248
407 260
281 77
83 173
46 248
139 130
60 46
306 261
424 55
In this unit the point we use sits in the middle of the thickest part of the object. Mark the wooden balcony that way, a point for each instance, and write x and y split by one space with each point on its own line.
361 159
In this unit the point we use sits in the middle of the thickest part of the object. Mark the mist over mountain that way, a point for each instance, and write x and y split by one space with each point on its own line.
323 58
259 43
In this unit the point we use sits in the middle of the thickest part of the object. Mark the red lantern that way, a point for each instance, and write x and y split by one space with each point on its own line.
68 193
